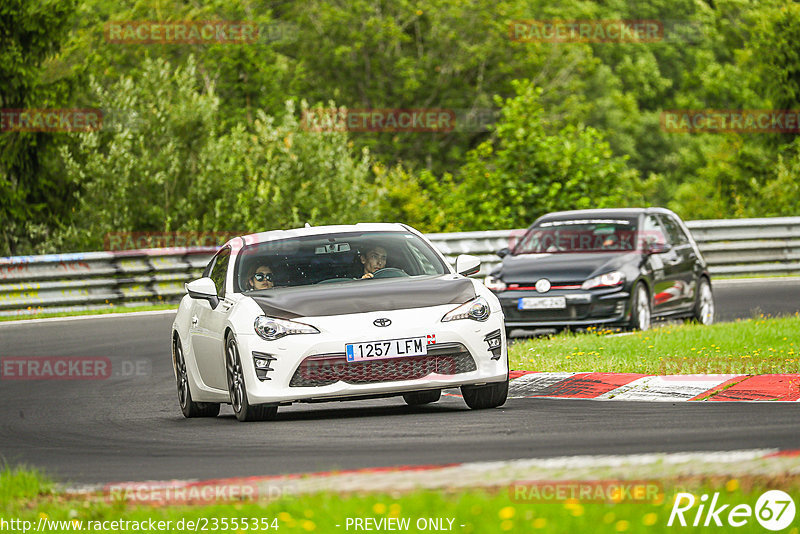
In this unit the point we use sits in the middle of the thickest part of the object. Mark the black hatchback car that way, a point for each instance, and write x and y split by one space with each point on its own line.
611 267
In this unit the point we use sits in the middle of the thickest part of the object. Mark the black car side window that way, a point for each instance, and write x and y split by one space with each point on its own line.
674 231
207 270
652 232
220 269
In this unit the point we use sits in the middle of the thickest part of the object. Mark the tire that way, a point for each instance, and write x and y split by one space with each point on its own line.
488 396
188 406
242 409
641 309
418 398
704 308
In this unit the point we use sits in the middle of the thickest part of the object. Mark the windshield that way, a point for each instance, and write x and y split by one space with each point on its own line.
579 235
353 257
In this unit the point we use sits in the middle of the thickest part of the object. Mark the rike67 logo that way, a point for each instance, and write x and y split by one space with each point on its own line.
774 510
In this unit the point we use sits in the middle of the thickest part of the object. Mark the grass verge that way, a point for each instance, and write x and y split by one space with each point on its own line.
518 507
756 346
100 311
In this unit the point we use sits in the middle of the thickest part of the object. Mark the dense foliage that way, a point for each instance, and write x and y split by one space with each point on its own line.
215 136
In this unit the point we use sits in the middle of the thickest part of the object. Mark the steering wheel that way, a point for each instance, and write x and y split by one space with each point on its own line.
389 272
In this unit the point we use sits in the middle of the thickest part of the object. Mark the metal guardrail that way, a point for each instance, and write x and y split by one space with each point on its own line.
92 280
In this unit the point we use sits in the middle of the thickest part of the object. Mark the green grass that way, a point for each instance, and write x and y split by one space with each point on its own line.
479 510
755 346
102 311
21 483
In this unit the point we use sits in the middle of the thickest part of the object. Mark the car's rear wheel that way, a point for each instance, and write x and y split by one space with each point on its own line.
417 398
242 409
488 396
188 406
641 312
704 309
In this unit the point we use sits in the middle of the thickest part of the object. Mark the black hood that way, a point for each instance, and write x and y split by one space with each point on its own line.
363 296
560 267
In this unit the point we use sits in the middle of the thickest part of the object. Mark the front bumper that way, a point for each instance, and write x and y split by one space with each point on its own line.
608 307
311 367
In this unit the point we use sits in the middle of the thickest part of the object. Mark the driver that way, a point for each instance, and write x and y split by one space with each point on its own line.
260 277
373 260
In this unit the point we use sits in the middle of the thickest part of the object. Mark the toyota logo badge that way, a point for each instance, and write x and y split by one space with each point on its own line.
382 322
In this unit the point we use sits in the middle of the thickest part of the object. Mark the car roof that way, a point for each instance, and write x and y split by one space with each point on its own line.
599 213
273 235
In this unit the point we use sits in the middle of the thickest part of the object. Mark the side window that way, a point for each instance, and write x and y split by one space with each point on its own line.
424 261
207 270
652 232
674 231
220 269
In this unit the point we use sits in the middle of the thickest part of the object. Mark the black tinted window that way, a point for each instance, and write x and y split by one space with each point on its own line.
674 231
301 261
652 232
579 235
220 269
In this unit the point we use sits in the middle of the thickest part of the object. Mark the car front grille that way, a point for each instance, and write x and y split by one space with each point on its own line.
326 369
570 313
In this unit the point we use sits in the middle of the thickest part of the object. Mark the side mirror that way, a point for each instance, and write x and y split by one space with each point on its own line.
467 264
503 252
203 289
657 248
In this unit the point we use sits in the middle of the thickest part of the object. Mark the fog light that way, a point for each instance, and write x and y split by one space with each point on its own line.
262 361
494 342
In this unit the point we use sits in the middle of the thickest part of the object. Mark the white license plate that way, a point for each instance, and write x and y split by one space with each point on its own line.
542 303
392 348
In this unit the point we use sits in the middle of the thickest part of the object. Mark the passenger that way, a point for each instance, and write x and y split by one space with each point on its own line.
373 260
261 277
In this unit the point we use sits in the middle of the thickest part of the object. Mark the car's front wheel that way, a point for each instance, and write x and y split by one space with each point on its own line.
704 305
488 396
188 406
641 310
242 409
417 398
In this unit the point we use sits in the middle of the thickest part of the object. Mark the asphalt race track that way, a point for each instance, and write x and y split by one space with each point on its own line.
129 427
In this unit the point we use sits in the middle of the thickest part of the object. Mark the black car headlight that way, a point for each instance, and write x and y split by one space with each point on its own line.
271 329
476 309
612 279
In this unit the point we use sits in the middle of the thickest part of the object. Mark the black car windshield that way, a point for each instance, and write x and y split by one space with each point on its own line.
579 235
337 258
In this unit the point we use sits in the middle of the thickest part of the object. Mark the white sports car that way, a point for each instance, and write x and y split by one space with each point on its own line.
336 313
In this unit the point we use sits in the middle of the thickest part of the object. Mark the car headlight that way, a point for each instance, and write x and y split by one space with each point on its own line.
272 329
476 309
612 279
494 284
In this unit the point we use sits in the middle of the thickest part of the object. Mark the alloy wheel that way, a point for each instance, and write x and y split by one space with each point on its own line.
235 377
642 309
182 377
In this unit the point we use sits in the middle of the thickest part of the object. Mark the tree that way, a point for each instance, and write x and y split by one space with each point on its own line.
168 167
531 167
31 192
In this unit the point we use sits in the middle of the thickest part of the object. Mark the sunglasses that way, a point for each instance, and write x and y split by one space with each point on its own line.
261 277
